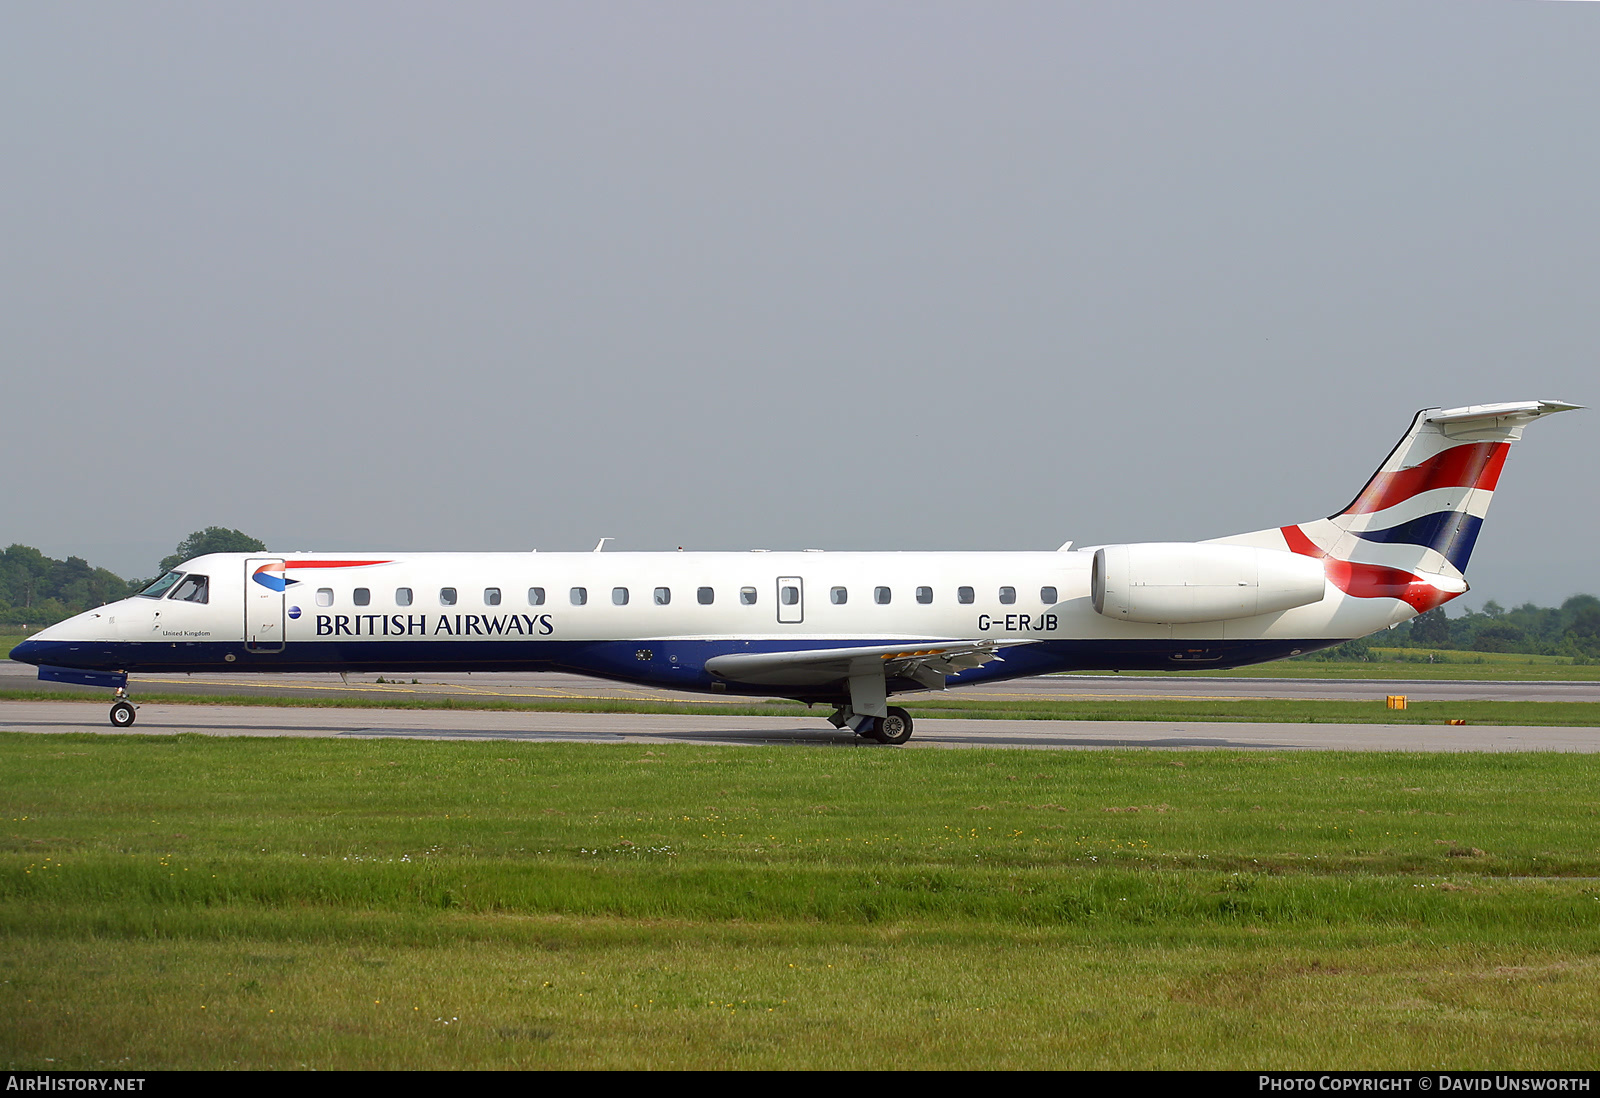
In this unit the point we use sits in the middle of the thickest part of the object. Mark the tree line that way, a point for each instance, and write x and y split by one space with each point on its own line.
1571 629
37 590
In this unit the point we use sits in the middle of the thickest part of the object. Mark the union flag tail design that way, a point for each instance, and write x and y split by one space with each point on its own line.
1410 532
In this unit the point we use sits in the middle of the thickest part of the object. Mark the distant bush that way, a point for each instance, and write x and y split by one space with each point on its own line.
1353 650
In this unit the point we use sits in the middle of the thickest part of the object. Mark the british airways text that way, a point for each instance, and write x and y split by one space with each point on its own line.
444 625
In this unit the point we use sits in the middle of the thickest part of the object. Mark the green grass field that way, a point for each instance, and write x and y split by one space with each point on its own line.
193 902
1411 663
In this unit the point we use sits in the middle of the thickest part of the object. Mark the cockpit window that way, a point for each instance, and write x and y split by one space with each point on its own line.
160 586
192 589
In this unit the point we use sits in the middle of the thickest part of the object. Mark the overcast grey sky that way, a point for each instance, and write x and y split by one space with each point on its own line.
841 275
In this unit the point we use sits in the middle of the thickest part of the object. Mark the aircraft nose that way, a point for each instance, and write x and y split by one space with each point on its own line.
27 652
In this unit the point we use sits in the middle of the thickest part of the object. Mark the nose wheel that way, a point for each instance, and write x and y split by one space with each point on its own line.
123 711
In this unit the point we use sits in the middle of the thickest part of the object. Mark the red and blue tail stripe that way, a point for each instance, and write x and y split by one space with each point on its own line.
1475 465
1370 581
1437 504
1451 534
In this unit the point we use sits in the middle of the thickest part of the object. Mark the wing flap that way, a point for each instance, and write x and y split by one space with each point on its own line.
926 662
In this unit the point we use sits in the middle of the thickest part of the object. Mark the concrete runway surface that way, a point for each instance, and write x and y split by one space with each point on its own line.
512 685
632 728
89 715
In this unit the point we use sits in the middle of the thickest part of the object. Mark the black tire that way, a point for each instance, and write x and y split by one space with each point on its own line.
893 729
123 714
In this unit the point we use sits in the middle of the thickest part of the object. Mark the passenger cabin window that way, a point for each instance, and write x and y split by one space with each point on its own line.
964 595
160 586
747 596
1047 595
361 596
324 596
579 595
536 596
447 596
881 596
839 595
192 589
706 596
663 596
619 596
925 595
402 596
1008 595
491 596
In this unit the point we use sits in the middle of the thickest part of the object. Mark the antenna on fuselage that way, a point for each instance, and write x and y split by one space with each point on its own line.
601 544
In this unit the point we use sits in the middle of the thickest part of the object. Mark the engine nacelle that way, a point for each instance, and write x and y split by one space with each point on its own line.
1174 582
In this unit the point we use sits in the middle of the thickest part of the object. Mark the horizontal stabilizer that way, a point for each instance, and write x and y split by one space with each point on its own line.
1500 411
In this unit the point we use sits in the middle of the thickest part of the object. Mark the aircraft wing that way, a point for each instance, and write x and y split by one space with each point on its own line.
926 662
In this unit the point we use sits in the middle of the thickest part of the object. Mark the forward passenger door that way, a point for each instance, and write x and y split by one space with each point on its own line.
264 588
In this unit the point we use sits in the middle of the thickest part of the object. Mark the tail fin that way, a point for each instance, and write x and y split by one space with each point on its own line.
1410 532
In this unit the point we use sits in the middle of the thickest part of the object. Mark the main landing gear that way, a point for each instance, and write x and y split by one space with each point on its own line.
866 714
893 728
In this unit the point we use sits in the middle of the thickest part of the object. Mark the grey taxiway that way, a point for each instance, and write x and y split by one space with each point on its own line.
155 718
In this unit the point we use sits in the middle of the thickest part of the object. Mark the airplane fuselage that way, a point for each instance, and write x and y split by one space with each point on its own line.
657 618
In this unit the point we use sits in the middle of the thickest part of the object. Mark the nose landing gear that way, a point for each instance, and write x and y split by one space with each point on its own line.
123 711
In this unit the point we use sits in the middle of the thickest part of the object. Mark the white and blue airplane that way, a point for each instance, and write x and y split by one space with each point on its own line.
846 629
